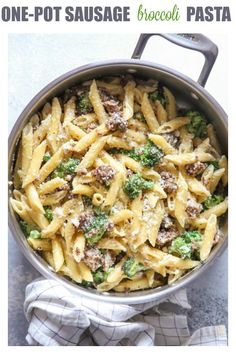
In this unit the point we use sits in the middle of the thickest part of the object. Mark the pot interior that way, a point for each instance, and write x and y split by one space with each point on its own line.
189 95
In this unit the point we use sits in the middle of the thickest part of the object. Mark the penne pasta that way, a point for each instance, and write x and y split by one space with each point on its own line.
41 132
111 244
20 209
149 114
155 222
40 245
50 165
92 154
27 148
60 215
57 253
69 114
181 201
54 126
161 142
33 198
85 272
197 187
186 144
46 111
131 164
97 199
73 268
50 186
215 179
189 158
223 163
35 164
217 210
128 104
74 131
54 198
114 190
173 125
208 238
161 113
119 143
123 215
97 103
83 190
170 104
132 285
138 137
78 248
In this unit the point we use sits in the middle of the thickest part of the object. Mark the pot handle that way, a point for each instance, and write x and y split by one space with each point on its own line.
193 41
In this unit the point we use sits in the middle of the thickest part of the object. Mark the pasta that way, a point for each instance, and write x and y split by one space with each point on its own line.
54 126
149 114
116 189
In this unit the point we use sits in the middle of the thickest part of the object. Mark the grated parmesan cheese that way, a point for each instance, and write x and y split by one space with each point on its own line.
58 211
75 222
69 145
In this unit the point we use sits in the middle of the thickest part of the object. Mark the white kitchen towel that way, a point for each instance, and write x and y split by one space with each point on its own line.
58 318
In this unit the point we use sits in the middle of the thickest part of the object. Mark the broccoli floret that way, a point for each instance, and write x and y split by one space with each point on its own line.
96 228
48 213
131 153
86 284
159 95
69 166
135 184
46 157
132 266
66 167
150 155
181 248
83 104
100 276
139 116
186 245
197 125
134 154
35 234
212 201
215 164
192 236
114 151
28 230
87 201
25 228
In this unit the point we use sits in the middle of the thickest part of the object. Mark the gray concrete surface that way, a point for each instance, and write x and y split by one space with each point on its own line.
35 60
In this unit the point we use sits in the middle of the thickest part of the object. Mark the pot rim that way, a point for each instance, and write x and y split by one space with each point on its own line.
39 264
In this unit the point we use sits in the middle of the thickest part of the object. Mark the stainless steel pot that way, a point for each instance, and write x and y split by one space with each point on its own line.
188 93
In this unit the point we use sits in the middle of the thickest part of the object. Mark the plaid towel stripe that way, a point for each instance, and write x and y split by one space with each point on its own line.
57 318
209 336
